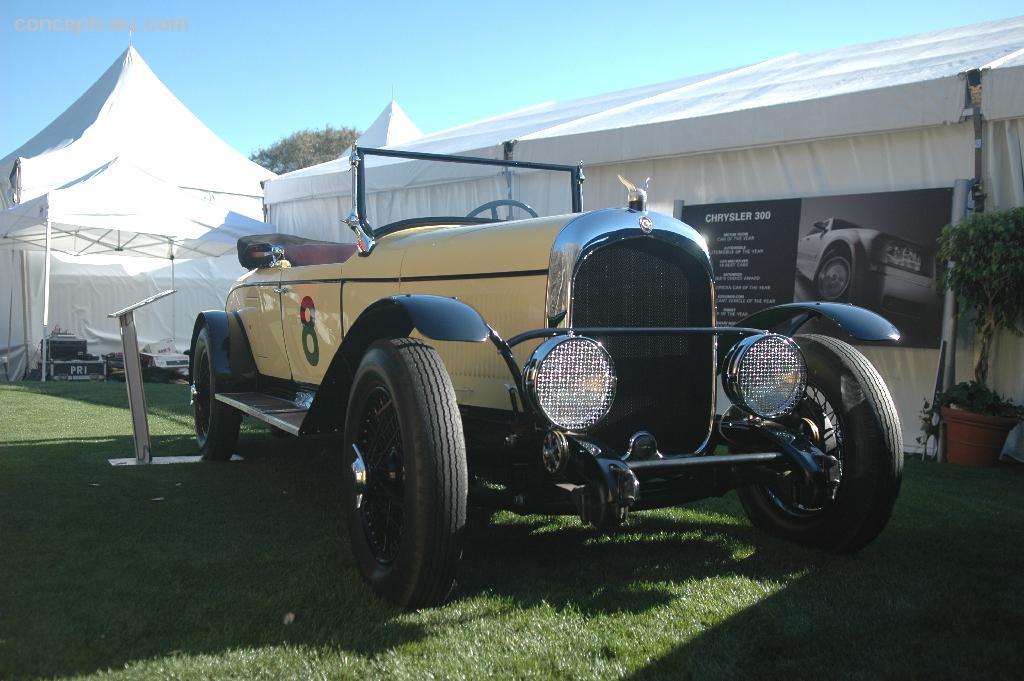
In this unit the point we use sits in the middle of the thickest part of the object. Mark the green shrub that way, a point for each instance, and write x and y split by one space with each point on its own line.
987 251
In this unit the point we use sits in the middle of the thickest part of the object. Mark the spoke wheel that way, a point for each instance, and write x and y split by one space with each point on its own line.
407 492
849 413
216 423
816 419
201 397
382 504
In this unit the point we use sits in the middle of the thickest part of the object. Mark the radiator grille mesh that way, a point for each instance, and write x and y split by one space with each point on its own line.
665 382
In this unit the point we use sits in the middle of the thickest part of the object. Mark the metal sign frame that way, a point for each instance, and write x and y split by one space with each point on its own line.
133 376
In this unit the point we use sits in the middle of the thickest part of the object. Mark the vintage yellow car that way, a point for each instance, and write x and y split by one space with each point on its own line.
565 364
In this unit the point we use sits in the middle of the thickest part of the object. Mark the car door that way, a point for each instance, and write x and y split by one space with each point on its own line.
262 319
311 319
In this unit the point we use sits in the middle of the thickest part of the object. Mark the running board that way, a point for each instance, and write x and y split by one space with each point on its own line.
278 412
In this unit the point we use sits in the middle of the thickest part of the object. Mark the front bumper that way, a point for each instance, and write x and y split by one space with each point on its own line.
766 450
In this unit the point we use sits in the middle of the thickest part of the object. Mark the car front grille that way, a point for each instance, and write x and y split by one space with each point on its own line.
665 382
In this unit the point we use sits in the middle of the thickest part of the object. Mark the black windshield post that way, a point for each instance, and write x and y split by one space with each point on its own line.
577 188
575 173
361 187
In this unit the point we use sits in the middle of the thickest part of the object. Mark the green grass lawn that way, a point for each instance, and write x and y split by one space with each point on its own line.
98 579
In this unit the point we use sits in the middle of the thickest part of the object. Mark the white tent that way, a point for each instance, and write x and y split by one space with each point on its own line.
129 114
121 209
744 122
392 127
126 169
104 283
884 116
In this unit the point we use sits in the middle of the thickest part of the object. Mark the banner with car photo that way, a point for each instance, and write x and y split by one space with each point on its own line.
873 250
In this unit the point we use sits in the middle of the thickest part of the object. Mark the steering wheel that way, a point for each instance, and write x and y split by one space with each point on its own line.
494 205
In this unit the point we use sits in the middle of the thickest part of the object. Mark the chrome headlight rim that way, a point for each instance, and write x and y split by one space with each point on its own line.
734 364
532 375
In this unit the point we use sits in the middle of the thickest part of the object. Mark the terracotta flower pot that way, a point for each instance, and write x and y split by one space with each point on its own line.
974 439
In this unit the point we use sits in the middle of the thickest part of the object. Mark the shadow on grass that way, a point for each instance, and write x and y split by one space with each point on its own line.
568 565
115 565
105 566
934 597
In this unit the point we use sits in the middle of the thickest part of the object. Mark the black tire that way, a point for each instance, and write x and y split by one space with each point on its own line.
407 524
857 423
216 423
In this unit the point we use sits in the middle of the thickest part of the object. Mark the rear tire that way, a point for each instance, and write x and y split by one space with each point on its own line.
859 426
216 423
407 519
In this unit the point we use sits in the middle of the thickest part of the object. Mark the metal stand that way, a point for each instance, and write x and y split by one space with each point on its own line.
133 378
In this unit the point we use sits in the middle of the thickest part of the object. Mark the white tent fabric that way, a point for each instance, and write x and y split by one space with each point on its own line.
885 116
122 209
126 169
909 83
392 127
129 113
85 288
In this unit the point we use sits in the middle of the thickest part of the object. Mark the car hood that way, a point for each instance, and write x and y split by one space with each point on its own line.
453 250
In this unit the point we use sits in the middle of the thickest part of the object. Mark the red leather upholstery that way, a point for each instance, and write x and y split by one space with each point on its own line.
318 253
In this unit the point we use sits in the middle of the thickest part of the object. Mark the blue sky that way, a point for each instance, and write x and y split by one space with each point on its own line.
256 73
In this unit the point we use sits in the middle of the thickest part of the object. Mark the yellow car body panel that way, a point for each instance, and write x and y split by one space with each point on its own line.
311 319
485 266
258 304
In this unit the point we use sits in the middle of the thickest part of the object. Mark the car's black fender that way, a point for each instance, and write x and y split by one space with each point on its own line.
859 322
233 364
435 317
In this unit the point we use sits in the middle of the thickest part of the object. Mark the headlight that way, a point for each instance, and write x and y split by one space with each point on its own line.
902 255
571 381
765 375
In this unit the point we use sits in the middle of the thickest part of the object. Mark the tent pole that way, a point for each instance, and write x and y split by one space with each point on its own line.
46 299
174 308
10 325
26 321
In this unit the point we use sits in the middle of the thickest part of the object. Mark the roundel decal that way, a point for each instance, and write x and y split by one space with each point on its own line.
310 343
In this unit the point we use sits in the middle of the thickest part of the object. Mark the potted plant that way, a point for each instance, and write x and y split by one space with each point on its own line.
977 421
987 252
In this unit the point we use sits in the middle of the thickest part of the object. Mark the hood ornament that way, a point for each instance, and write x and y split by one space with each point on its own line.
637 196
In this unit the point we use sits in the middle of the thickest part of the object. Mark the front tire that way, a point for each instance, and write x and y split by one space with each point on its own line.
406 506
216 423
854 419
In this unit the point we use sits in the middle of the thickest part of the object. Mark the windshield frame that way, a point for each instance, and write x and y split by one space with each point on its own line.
358 169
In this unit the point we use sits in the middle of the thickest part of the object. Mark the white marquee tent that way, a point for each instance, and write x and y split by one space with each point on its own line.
121 209
391 128
129 114
885 116
126 169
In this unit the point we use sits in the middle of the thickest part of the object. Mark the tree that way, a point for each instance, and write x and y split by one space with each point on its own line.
987 276
305 148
